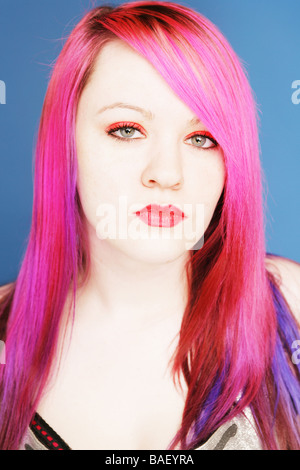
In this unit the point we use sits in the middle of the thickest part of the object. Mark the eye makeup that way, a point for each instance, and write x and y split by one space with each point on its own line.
123 125
203 134
110 130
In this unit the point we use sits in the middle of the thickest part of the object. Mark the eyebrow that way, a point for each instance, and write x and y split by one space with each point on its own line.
146 113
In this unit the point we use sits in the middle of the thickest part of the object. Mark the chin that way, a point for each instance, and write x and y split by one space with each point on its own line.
152 251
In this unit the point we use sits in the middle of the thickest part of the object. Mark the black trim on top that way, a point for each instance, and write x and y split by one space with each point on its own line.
46 435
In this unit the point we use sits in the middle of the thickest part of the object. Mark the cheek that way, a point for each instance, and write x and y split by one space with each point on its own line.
88 186
210 186
99 185
212 179
85 188
89 171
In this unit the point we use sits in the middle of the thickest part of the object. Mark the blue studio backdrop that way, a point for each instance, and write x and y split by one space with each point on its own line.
264 33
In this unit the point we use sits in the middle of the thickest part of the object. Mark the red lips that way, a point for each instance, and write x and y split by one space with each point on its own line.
161 216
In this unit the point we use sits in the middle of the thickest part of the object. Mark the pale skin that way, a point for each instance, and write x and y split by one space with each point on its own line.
114 389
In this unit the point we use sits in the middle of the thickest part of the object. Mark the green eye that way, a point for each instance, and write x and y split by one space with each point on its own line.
199 140
127 131
202 141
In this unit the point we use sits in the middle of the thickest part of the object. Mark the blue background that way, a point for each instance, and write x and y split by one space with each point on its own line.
264 33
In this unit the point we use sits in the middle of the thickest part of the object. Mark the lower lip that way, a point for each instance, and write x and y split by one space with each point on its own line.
160 220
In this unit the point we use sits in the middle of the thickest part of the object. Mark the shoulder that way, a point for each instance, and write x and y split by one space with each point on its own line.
6 293
287 274
5 289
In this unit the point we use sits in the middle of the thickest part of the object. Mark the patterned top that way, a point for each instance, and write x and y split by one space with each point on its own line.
238 434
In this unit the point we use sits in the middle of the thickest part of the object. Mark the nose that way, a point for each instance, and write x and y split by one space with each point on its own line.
164 168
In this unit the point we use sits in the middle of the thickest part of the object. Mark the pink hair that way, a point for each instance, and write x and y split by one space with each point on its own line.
229 329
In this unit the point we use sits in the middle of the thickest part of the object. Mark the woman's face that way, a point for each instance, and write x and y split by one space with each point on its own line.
138 144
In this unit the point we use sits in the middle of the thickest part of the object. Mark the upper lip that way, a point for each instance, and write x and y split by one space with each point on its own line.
166 210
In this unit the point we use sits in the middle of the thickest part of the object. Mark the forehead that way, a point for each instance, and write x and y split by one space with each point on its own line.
118 60
121 74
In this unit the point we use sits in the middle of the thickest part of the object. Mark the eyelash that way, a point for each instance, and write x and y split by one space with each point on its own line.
123 125
207 135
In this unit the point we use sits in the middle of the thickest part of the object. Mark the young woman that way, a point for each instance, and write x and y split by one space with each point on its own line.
118 332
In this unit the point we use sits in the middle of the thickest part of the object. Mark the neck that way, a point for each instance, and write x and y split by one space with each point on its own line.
126 291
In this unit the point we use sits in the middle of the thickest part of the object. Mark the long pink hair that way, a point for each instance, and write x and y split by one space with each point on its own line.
229 344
